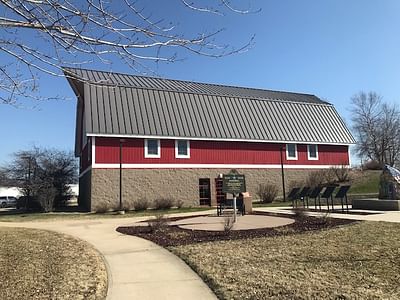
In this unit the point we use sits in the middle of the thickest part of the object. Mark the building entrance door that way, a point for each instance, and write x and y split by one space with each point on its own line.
205 191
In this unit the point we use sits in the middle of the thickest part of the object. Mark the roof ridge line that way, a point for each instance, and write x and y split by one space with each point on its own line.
324 103
190 82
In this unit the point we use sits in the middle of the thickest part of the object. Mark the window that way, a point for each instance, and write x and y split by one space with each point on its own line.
152 148
312 151
182 149
291 151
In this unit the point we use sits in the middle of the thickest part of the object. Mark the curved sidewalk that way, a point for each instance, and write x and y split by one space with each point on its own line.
137 268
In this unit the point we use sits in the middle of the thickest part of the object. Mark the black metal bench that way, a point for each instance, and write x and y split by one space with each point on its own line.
303 195
342 195
293 196
315 194
327 194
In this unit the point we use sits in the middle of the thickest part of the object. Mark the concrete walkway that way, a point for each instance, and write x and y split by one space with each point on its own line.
385 216
137 268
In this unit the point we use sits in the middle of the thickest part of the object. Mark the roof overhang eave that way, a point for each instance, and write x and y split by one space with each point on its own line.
217 139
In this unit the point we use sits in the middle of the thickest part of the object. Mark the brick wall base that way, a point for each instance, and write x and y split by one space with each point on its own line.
180 184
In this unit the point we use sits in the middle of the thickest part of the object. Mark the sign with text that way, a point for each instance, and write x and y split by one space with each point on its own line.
233 183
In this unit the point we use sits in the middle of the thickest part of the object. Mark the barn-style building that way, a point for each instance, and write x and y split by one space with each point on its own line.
174 138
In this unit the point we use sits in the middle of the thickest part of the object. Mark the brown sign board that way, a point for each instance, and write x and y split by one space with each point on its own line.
233 183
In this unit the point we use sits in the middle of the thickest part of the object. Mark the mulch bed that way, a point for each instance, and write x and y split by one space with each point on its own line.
172 235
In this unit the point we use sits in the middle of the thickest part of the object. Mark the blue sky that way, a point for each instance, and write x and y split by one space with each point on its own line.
332 49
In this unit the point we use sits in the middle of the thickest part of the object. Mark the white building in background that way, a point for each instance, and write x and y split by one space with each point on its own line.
10 191
74 189
16 192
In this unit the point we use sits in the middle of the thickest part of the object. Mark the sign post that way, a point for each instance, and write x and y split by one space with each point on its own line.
233 183
234 208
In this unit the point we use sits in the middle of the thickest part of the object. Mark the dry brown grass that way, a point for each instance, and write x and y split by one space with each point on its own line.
39 264
360 261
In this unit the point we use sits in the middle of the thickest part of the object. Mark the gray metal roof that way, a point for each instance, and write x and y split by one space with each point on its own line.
116 79
144 106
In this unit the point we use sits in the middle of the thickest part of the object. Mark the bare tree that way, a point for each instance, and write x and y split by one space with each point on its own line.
40 36
44 174
377 127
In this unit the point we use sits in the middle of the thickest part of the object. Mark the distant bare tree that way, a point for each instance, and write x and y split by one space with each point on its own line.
377 128
42 173
4 180
40 36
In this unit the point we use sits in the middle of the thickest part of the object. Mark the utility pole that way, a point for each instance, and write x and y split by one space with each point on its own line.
120 175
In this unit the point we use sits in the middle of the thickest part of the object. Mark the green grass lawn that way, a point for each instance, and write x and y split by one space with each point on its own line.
365 182
39 264
360 261
24 217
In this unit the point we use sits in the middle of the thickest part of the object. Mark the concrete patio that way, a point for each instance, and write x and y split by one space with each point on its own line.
246 222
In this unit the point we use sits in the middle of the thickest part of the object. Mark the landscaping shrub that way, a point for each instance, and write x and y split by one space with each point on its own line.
372 165
299 213
321 177
329 176
295 183
163 203
324 219
46 196
159 223
228 223
141 204
30 203
179 203
267 192
342 173
102 207
315 179
127 205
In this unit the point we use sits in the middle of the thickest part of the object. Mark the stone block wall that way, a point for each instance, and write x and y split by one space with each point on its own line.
180 184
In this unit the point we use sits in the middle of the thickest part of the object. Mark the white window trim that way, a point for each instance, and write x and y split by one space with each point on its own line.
287 152
177 155
147 155
308 152
93 150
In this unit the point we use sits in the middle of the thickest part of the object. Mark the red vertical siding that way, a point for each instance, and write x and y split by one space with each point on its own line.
216 152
